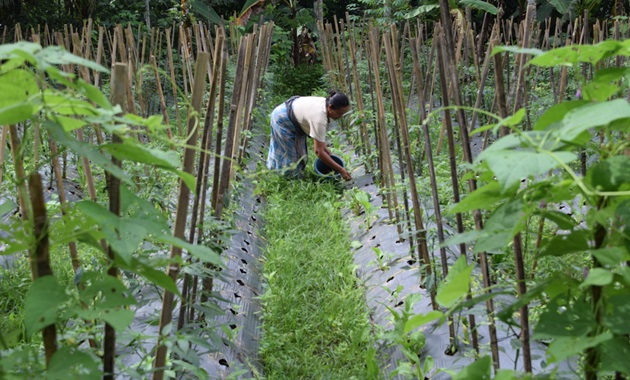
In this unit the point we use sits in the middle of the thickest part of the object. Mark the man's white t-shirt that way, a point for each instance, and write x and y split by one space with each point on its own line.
310 112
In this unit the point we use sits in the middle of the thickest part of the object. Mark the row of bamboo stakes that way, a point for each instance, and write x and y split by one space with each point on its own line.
435 57
212 152
131 53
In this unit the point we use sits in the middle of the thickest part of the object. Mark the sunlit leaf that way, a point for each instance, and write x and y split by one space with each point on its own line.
85 149
511 166
421 319
593 115
597 277
57 55
556 113
16 113
17 86
573 54
483 198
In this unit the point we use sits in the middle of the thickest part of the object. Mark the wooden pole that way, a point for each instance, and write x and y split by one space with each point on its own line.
41 253
179 228
119 97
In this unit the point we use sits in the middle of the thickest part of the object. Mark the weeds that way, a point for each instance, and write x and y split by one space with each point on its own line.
315 318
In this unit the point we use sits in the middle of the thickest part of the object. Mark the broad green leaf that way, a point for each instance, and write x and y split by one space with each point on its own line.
189 180
71 363
7 206
607 82
565 320
562 220
484 198
421 319
480 369
482 5
593 115
511 166
201 252
16 113
597 277
118 318
95 95
556 113
56 55
501 227
132 151
611 174
559 245
422 10
618 314
68 123
155 276
9 51
104 292
68 104
612 257
123 235
17 86
456 284
42 303
85 150
564 347
614 355
573 54
562 6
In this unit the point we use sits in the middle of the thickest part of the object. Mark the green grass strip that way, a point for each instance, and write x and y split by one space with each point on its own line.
315 319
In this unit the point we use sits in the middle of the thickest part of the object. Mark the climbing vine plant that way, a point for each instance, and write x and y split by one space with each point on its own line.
39 99
530 174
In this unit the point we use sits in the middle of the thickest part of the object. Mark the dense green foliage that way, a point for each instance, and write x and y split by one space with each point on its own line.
38 93
315 320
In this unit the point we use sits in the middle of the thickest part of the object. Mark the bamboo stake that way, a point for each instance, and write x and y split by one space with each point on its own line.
202 169
169 50
398 102
449 71
3 145
179 228
216 182
72 246
41 253
119 93
387 172
365 147
228 155
518 250
20 176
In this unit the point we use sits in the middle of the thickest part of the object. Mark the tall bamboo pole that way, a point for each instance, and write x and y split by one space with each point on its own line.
41 253
398 102
449 72
119 94
179 228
